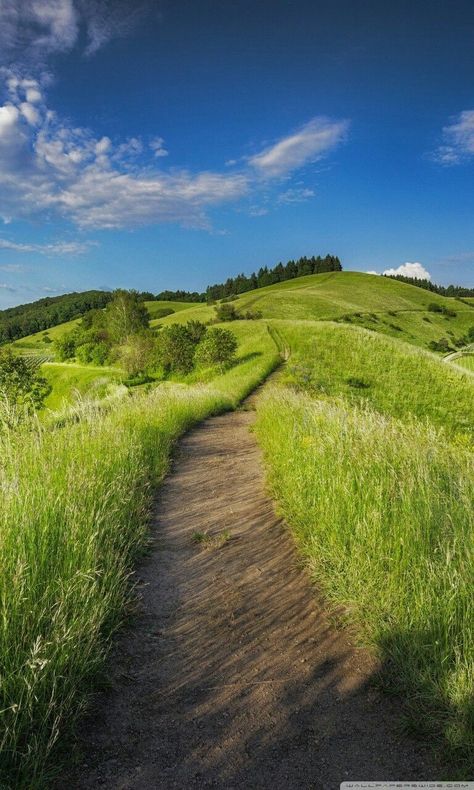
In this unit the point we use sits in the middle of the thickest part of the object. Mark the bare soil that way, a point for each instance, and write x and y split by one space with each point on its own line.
232 675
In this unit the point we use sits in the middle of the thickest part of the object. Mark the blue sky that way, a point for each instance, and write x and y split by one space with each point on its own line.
171 144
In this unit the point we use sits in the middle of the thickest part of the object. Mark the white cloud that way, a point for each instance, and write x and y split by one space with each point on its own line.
415 270
34 29
296 195
309 144
372 271
8 288
52 168
55 248
157 147
458 140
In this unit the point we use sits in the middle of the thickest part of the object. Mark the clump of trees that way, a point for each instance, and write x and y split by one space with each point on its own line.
182 346
434 307
120 334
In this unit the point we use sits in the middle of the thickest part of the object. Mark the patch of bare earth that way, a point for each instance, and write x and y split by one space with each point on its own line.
232 675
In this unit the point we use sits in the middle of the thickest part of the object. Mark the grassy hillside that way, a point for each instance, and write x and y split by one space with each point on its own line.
37 342
69 381
331 360
156 307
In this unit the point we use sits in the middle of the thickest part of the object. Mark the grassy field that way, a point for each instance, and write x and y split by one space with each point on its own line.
465 361
73 517
36 342
70 381
331 360
382 511
154 308
368 442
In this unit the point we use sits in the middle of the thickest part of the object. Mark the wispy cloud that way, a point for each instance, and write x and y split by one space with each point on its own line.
31 30
55 248
9 288
309 143
457 144
296 195
12 267
48 167
415 270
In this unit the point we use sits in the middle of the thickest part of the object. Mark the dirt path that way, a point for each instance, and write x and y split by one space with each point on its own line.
231 675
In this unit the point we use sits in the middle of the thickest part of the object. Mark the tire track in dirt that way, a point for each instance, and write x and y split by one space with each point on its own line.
231 674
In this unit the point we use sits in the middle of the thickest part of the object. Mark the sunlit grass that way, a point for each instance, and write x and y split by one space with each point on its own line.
382 510
73 518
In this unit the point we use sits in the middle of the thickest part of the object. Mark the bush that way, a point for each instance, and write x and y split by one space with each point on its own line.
217 348
66 347
175 351
434 307
226 312
92 353
196 330
21 386
442 345
139 354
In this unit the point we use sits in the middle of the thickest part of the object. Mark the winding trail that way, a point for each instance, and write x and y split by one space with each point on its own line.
231 675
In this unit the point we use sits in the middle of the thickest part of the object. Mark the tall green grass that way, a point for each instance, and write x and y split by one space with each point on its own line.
331 360
382 510
74 508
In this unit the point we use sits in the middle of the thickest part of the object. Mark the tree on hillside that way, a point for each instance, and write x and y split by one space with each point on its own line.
176 349
217 348
21 385
125 315
139 353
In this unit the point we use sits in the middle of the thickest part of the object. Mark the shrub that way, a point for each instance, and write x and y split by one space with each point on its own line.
226 312
434 307
196 330
442 345
66 346
139 354
254 315
218 347
92 353
175 350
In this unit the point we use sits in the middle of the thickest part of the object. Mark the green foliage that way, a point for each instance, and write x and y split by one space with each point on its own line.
125 316
175 349
196 330
93 353
23 320
442 345
139 354
226 312
21 386
217 348
66 346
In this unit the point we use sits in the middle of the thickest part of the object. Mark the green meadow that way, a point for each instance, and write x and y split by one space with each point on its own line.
368 444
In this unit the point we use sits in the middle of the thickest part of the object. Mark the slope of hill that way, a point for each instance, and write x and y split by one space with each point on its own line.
377 303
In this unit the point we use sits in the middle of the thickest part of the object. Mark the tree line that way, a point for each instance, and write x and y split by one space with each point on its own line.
26 319
264 276
449 290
